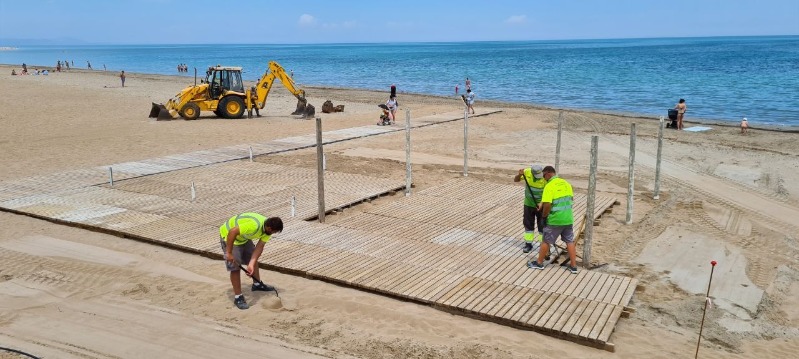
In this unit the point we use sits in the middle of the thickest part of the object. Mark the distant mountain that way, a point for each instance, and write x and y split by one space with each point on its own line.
37 42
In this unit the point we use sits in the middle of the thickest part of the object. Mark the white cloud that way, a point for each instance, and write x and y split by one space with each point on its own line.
516 19
306 20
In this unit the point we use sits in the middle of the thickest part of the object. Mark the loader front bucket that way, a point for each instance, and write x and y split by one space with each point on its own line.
159 112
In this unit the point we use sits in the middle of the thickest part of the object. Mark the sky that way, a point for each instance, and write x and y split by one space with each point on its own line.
356 21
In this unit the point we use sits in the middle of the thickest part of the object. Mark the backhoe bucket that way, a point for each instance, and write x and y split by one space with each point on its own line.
159 112
305 109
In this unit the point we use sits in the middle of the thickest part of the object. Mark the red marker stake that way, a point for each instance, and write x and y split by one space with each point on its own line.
707 296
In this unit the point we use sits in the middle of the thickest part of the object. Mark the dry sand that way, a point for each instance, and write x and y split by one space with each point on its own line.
72 293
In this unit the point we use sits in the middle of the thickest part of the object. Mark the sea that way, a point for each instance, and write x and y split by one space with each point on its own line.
721 78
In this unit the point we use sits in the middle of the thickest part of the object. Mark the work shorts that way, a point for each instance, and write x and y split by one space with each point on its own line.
551 233
242 254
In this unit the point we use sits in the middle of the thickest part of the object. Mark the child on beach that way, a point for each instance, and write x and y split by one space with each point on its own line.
744 126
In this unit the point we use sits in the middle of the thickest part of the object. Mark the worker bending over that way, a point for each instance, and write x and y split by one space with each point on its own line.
237 236
534 183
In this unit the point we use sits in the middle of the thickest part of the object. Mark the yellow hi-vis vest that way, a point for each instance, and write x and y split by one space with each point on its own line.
560 194
536 185
251 228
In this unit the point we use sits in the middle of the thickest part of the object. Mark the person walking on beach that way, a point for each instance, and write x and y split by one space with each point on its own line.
556 208
468 84
88 65
534 183
236 238
392 106
122 77
681 108
744 126
469 98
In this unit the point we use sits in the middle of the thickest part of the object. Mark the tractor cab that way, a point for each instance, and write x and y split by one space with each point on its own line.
221 79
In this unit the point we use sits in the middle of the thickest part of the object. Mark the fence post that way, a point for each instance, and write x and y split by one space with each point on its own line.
320 171
111 176
657 164
408 175
557 144
588 233
466 142
631 176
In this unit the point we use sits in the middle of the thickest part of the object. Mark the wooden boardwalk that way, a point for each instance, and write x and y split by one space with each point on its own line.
456 246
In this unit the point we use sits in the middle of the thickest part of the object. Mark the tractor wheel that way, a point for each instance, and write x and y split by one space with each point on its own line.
231 107
190 111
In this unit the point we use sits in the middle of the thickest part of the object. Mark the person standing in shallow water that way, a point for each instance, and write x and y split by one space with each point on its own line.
681 107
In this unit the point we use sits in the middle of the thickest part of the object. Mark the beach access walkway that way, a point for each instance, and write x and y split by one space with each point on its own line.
456 246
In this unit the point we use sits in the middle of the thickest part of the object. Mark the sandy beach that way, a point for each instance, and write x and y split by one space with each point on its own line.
67 292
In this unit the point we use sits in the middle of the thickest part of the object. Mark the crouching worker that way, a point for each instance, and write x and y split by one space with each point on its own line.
237 236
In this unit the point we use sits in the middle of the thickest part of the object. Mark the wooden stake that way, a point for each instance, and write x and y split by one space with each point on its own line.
631 176
320 170
408 175
466 142
657 164
557 144
588 232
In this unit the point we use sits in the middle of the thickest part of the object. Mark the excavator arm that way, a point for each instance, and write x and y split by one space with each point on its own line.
264 86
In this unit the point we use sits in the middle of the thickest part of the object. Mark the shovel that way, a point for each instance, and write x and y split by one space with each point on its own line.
256 279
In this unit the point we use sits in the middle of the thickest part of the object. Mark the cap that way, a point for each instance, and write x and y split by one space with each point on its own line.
537 170
744 119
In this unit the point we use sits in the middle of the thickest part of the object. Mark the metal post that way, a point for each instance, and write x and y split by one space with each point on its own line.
193 192
111 176
408 175
293 206
631 176
320 171
250 153
466 142
557 145
657 164
589 211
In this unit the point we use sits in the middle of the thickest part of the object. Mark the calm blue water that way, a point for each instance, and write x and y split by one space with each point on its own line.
720 78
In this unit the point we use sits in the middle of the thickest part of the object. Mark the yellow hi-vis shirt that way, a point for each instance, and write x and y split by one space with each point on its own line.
536 185
251 228
560 194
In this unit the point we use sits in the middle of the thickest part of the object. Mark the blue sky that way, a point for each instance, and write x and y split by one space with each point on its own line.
329 21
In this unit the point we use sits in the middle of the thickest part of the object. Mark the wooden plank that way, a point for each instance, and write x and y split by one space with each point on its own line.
610 326
592 319
602 320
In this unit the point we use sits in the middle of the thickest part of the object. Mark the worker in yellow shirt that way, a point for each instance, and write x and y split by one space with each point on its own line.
534 183
556 208
242 239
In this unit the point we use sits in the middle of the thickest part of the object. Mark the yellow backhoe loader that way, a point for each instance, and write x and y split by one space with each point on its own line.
223 92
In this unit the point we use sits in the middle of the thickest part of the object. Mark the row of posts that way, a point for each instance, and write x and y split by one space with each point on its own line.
589 220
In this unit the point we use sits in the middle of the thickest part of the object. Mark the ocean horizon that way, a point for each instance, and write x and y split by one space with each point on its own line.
721 78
